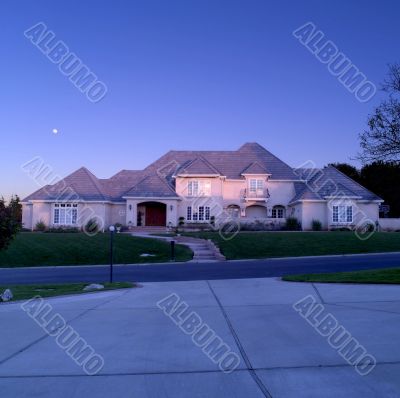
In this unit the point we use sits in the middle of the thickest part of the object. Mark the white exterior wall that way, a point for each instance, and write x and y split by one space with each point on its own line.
41 212
389 224
314 211
27 216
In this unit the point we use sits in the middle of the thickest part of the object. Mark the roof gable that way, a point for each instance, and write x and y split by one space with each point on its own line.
254 168
198 166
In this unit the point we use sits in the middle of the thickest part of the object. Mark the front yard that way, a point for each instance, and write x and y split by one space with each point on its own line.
45 249
292 244
25 292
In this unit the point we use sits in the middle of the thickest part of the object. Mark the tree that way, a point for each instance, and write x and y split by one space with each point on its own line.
381 178
381 142
10 220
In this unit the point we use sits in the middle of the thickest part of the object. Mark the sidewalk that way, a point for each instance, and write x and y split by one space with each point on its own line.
147 355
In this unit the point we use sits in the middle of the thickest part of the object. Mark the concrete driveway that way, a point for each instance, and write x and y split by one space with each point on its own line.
146 354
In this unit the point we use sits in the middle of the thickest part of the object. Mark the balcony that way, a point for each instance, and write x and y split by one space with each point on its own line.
255 195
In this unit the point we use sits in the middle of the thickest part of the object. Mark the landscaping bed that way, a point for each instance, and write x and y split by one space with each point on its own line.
52 249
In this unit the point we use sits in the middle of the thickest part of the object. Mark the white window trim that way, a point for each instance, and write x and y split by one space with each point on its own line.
65 206
199 214
203 188
344 220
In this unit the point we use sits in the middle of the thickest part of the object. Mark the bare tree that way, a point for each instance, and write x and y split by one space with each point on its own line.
382 139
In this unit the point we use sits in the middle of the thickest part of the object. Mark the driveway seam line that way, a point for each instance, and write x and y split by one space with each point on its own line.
242 351
318 293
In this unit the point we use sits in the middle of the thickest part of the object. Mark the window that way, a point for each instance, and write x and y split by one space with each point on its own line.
199 188
193 188
256 185
202 213
65 214
207 213
278 212
342 214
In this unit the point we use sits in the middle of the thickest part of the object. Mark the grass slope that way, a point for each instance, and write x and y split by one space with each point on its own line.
25 292
290 244
41 249
387 275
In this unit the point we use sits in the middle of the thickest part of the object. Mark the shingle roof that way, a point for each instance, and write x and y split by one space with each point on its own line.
255 168
80 185
198 166
157 179
231 163
326 182
151 186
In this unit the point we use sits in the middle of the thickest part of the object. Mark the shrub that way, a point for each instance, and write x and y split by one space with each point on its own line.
92 226
63 230
292 224
316 225
181 221
40 226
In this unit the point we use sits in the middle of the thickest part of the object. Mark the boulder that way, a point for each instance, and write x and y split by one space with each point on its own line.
93 286
7 295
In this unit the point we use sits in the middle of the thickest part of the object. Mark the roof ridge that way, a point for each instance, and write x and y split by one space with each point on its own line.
95 181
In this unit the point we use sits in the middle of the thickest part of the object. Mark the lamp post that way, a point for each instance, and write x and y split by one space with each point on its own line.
112 229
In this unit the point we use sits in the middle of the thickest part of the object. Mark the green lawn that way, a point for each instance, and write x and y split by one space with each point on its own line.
290 244
25 292
40 249
389 275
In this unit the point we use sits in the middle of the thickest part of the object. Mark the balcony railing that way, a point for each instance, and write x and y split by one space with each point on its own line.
257 194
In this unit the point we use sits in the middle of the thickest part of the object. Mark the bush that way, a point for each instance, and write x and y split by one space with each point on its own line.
40 226
292 224
181 221
258 225
63 230
316 225
92 226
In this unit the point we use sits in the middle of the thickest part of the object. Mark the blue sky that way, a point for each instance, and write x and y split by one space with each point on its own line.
185 75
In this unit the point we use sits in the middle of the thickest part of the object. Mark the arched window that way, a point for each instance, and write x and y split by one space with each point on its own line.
233 211
278 212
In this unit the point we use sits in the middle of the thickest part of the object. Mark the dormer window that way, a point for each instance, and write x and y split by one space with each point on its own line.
199 188
256 185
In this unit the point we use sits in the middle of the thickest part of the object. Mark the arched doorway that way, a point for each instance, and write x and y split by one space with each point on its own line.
152 214
256 211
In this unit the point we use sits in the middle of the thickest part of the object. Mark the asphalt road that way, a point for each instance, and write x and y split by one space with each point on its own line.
199 271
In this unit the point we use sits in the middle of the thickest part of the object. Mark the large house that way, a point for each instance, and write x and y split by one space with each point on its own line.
246 185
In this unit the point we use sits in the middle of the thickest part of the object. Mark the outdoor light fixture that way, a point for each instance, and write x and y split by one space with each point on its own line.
130 207
171 207
112 230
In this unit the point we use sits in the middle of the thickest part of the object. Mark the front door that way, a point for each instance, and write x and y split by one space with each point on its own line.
156 214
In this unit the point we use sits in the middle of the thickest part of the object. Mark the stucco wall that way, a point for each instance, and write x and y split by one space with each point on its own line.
314 211
281 193
41 212
27 216
389 224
